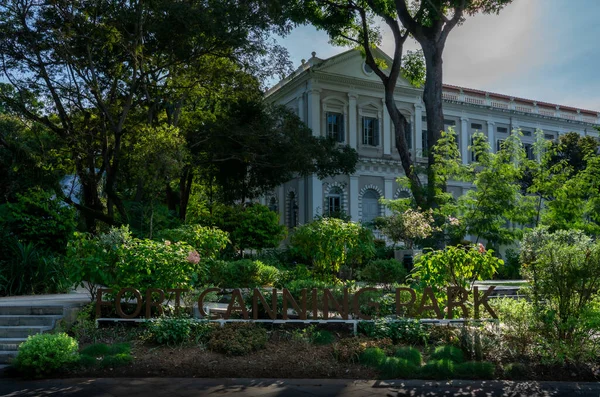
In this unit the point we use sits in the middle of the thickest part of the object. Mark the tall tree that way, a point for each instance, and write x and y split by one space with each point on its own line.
101 69
353 22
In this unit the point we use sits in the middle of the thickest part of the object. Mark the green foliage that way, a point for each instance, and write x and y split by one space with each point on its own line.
29 270
455 266
254 227
448 352
511 270
564 271
208 241
372 357
518 325
409 354
384 271
475 370
238 339
178 330
104 356
394 368
439 369
42 354
244 273
515 371
409 226
328 243
38 217
402 331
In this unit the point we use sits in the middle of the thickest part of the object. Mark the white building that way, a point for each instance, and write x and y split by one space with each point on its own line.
342 97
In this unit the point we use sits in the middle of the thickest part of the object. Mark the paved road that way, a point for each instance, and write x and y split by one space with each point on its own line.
183 387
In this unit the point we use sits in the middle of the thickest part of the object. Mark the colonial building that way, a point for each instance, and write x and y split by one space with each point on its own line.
343 98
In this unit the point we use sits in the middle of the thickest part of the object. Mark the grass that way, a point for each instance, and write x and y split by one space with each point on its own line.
104 356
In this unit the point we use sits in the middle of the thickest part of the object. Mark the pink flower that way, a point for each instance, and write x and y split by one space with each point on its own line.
193 257
481 248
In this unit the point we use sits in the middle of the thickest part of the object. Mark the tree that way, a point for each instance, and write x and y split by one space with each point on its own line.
92 72
352 22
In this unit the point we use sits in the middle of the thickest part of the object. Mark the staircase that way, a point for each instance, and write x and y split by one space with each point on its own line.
18 322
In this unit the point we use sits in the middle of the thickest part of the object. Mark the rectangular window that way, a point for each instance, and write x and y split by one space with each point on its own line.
529 151
335 205
477 127
450 123
370 131
549 136
408 135
424 142
502 130
335 126
499 144
526 132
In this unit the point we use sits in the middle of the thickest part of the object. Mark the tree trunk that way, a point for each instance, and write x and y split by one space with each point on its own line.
185 189
432 97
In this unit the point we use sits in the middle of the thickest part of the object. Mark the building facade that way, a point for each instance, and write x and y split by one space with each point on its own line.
343 98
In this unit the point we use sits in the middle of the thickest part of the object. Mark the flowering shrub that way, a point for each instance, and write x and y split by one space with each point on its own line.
409 226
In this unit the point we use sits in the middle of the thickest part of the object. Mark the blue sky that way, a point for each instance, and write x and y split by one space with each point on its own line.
546 50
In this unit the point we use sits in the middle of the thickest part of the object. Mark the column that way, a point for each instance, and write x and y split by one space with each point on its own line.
317 196
301 201
491 136
464 140
386 130
301 108
354 198
388 193
314 111
352 120
418 130
281 200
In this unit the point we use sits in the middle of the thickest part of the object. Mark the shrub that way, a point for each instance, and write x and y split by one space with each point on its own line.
564 271
448 352
372 357
208 241
475 370
410 354
403 331
394 367
438 369
511 270
257 227
384 271
238 339
244 273
518 325
515 371
328 243
178 330
45 353
104 356
321 337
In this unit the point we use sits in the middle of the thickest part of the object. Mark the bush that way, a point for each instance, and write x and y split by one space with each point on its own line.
328 243
208 241
372 357
564 271
410 354
518 325
403 331
244 273
394 367
512 266
515 371
238 339
384 271
448 352
178 330
475 370
106 356
43 354
438 369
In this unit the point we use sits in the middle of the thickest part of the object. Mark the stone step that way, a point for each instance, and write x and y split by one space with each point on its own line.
8 344
31 310
21 319
21 331
7 356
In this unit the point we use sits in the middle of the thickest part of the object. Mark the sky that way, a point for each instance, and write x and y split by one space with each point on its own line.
545 50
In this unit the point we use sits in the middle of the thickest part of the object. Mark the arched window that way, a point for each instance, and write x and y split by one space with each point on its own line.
334 201
292 210
370 206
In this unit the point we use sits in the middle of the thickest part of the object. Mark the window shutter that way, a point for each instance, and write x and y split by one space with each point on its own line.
375 132
341 130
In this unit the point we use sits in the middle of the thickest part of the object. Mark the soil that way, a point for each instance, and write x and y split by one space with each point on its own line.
281 359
